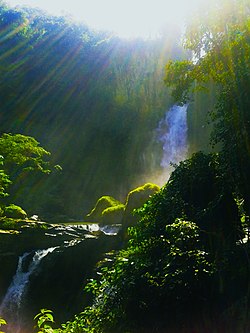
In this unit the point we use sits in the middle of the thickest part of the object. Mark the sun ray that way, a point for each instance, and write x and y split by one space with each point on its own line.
129 19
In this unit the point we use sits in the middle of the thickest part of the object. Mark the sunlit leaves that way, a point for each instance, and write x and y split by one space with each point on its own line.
23 151
2 322
44 321
4 179
219 40
180 75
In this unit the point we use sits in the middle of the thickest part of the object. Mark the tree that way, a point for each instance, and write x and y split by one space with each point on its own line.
20 155
219 39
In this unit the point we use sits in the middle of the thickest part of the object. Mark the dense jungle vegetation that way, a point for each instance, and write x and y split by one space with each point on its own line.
83 95
185 266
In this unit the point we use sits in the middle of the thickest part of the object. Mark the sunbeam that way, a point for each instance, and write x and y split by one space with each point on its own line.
127 19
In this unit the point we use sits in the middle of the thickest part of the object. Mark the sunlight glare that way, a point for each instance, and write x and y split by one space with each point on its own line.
126 18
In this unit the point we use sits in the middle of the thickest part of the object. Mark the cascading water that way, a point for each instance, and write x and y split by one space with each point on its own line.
54 276
12 302
172 133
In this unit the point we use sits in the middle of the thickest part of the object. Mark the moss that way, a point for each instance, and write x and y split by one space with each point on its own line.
15 212
135 199
113 215
7 223
102 204
108 210
139 195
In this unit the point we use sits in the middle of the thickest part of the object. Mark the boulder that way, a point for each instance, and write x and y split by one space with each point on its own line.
102 204
14 212
111 211
113 215
135 199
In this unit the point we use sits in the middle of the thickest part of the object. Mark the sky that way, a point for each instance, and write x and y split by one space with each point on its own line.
126 18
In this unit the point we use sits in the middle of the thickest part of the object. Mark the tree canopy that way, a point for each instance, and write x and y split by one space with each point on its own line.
23 152
20 155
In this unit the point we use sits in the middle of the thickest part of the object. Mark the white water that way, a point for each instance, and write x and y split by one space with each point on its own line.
172 133
14 297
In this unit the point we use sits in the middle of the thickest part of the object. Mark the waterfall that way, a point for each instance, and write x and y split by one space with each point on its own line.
12 302
172 133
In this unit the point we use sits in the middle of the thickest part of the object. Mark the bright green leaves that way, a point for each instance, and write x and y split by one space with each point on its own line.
23 151
219 41
4 180
19 155
187 258
2 322
45 320
180 76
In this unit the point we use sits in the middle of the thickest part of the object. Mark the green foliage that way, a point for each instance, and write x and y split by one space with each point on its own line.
9 224
45 320
180 74
218 38
2 322
21 159
4 180
198 190
83 95
175 258
149 278
20 151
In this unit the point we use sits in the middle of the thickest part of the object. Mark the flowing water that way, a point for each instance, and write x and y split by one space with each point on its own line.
67 240
172 134
12 302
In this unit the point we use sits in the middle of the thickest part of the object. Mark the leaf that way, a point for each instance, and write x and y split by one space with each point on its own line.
2 322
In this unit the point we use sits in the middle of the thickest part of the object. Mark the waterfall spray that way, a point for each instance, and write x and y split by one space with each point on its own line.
172 133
